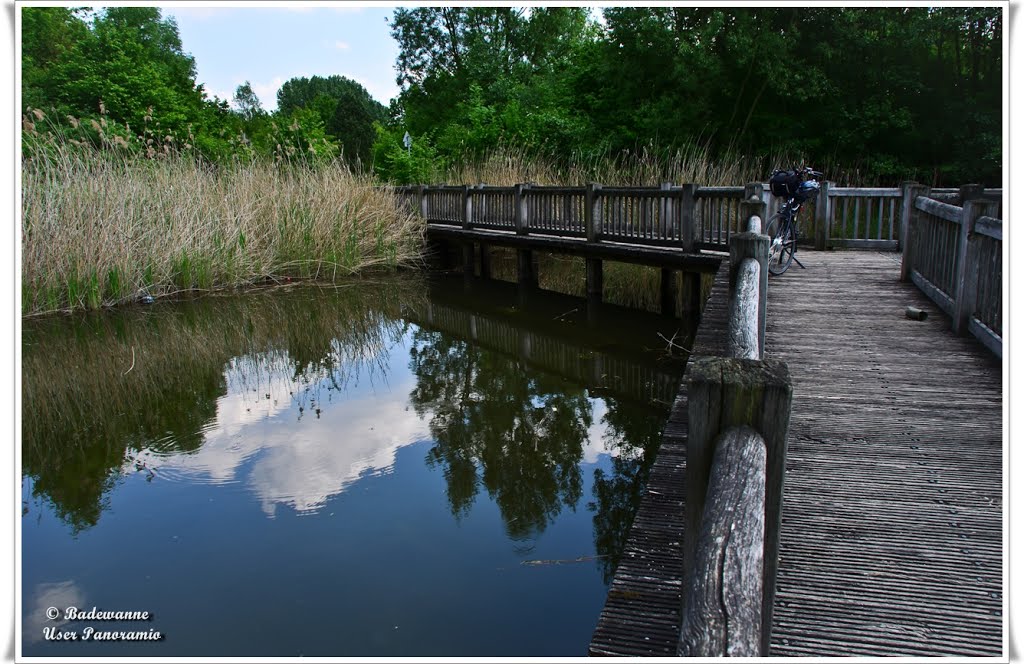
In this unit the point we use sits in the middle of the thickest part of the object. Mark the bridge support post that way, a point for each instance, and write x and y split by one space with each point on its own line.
723 393
468 260
691 294
527 273
911 190
485 261
595 280
668 291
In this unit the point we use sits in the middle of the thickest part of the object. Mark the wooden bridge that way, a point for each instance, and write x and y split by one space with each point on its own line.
891 536
881 527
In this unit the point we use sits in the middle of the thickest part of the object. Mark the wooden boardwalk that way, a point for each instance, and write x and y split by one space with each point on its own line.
892 531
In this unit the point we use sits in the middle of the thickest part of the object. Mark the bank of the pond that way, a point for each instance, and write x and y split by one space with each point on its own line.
103 228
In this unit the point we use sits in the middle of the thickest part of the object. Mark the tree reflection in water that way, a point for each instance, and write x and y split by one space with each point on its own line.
99 389
519 434
617 494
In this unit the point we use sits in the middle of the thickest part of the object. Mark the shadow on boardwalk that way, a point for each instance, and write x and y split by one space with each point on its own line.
891 538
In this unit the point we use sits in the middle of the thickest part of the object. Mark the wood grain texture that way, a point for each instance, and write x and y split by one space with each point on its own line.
744 322
722 616
892 527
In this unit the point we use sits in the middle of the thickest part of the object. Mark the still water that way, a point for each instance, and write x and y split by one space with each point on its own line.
393 468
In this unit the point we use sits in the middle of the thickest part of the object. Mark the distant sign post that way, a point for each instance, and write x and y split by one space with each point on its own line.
407 141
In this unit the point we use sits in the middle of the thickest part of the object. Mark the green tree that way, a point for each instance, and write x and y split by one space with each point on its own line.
126 64
50 35
247 104
476 76
134 64
345 107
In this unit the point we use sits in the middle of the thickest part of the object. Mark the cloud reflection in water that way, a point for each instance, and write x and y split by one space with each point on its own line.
287 456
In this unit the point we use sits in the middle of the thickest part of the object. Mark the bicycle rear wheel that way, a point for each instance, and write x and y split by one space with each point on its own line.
782 244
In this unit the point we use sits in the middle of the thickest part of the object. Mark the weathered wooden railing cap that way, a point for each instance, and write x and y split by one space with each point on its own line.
724 393
753 376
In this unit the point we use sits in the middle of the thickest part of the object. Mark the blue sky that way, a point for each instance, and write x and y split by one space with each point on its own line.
269 45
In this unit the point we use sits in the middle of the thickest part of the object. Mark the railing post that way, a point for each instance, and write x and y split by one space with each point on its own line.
751 206
520 211
723 393
688 217
592 212
480 209
911 190
422 191
751 191
966 293
969 192
467 207
751 245
823 217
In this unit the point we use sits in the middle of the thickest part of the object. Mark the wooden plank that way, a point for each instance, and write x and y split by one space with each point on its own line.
878 245
941 210
862 536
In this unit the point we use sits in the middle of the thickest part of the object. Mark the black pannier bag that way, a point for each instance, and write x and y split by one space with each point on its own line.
784 183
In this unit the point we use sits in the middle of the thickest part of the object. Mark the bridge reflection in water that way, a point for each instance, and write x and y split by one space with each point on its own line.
610 350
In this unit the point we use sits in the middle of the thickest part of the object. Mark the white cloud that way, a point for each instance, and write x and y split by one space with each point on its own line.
382 92
342 46
267 92
56 595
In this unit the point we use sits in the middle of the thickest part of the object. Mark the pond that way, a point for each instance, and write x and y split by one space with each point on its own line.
388 468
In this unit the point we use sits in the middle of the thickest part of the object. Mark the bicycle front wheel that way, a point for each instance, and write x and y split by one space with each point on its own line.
782 244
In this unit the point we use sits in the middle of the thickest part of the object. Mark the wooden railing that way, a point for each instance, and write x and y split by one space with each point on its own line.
684 216
866 217
687 216
738 412
954 255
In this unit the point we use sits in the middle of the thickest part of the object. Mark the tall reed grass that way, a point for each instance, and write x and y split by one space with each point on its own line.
648 166
103 226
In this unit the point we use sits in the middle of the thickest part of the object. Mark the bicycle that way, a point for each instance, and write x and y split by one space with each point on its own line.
797 186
